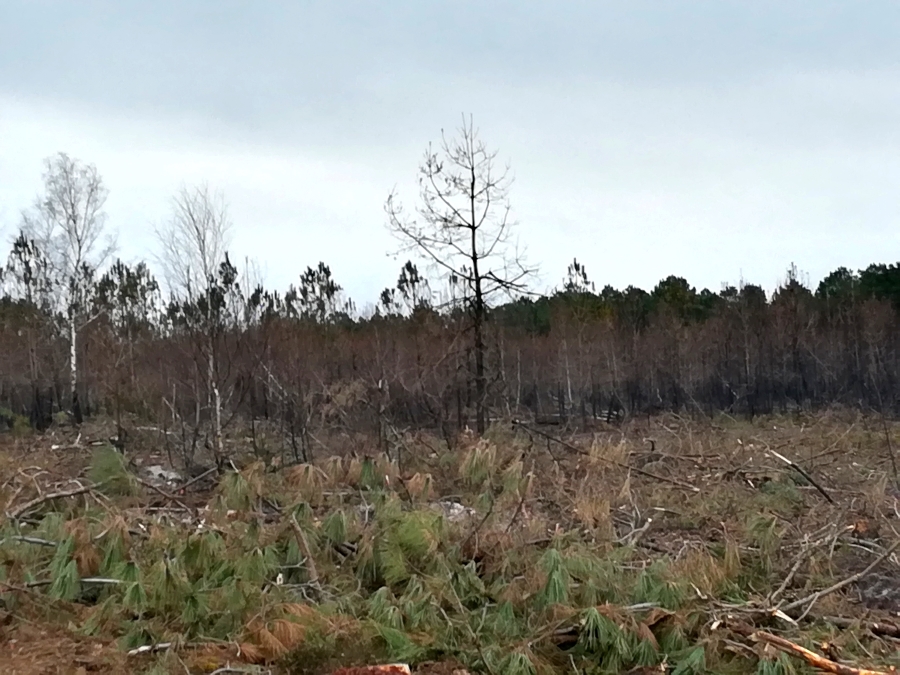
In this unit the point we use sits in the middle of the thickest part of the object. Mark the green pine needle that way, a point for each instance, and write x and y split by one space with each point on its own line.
517 663
135 598
108 470
694 663
67 584
556 588
399 646
335 527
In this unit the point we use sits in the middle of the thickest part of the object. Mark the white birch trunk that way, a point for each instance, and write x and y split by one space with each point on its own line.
73 360
216 400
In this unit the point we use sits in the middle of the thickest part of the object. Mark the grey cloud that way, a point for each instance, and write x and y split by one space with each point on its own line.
252 63
695 136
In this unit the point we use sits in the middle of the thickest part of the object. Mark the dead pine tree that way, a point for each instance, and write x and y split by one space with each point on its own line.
463 228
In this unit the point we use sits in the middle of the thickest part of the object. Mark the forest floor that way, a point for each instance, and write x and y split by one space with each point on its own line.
726 546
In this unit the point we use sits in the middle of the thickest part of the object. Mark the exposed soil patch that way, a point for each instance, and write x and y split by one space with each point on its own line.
28 649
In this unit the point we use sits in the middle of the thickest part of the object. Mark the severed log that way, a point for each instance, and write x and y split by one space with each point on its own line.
880 628
813 659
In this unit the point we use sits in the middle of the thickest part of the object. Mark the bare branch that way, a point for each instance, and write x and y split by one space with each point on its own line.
194 240
463 230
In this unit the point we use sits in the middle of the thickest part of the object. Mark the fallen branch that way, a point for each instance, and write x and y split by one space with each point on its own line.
478 527
631 539
101 581
160 491
27 506
97 581
581 451
151 649
813 659
303 543
805 552
813 597
515 517
799 469
30 540
875 627
197 479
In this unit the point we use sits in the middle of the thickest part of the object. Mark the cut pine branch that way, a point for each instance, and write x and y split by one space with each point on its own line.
813 659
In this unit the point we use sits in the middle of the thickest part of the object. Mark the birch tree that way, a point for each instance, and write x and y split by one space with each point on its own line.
193 244
67 225
464 229
193 241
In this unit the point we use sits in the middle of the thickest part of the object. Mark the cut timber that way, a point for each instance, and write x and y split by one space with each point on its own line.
875 627
813 659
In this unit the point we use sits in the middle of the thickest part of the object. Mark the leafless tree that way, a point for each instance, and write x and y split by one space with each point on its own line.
67 224
464 230
194 240
193 244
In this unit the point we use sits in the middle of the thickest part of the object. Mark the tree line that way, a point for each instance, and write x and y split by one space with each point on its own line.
459 339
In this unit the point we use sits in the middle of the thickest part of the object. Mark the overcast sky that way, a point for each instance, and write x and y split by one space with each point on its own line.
710 140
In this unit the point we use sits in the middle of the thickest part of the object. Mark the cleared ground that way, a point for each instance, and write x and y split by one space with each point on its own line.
534 550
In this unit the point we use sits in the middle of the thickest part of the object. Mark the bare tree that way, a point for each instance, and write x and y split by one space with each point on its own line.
67 223
194 240
464 230
193 245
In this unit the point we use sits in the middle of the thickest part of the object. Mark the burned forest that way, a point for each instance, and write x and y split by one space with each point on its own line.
202 474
